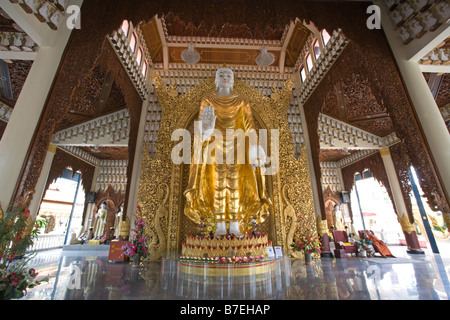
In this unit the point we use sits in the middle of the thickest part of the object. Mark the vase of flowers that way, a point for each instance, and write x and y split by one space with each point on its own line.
136 248
307 244
16 236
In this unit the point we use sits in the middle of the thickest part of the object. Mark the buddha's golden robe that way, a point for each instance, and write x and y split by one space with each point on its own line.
230 192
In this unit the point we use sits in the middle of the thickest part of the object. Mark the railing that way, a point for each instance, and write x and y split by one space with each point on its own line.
48 241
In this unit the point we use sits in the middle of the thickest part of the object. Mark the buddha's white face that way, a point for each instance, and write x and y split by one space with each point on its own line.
224 79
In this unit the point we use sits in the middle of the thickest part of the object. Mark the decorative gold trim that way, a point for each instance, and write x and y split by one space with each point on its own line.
385 152
407 226
52 148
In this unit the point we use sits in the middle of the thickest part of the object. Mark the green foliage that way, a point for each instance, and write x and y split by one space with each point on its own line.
16 236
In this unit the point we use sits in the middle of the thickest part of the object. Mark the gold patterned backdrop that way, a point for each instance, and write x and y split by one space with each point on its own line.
162 183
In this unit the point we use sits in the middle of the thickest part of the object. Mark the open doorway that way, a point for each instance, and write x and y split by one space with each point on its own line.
62 207
373 209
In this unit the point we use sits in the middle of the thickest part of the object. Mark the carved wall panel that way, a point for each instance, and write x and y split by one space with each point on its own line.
67 91
377 65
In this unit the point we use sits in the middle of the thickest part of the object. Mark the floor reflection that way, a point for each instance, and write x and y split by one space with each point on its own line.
84 277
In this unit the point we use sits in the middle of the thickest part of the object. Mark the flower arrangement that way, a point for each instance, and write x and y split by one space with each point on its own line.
81 239
206 227
253 228
108 236
16 236
304 240
137 246
307 243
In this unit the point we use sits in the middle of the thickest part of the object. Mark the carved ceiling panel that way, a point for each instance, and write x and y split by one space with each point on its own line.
18 72
220 56
152 38
353 101
332 155
298 39
177 27
108 153
443 96
89 102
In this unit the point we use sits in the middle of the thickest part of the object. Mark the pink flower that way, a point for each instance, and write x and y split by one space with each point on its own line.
14 282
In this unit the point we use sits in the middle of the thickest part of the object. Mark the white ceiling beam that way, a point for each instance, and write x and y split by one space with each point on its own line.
38 31
419 48
18 55
223 46
429 68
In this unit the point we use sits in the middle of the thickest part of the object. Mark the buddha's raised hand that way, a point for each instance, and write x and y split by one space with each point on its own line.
257 156
208 120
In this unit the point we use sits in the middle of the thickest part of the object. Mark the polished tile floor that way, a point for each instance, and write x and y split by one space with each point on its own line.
87 275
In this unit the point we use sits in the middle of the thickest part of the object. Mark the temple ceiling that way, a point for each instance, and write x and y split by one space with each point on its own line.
332 155
175 34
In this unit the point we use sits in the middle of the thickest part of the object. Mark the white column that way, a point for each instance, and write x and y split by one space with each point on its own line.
42 181
29 106
137 163
394 183
428 113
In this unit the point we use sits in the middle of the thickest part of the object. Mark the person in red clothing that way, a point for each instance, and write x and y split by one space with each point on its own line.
378 244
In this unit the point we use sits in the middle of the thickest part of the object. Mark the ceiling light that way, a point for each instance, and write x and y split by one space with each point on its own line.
190 55
265 59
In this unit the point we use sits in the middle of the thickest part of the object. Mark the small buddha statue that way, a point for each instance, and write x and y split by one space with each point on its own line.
100 221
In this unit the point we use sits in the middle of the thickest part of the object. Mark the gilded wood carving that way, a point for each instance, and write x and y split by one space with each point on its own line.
163 210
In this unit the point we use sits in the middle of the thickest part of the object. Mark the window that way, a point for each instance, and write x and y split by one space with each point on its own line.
316 48
325 36
309 62
133 42
303 74
139 57
125 27
144 69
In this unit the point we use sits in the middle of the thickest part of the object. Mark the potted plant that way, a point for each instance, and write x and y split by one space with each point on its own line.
307 244
16 236
136 248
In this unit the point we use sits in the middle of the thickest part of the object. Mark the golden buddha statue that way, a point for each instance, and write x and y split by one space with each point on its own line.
233 191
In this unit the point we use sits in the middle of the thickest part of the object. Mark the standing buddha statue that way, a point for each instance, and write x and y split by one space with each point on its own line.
234 193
